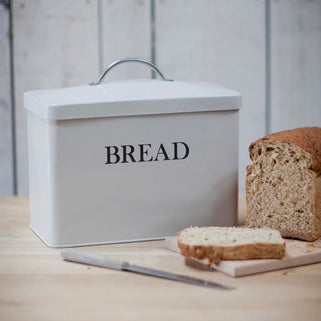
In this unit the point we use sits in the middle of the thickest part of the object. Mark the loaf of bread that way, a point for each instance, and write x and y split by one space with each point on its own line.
283 183
230 243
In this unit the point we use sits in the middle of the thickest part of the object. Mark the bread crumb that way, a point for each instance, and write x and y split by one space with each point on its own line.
314 245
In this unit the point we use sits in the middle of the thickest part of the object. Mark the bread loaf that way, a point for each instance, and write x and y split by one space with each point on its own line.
230 243
283 183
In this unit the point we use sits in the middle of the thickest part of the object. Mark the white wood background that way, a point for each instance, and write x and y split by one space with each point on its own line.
6 156
269 50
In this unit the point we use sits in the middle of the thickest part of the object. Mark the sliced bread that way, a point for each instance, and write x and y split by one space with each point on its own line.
230 243
283 183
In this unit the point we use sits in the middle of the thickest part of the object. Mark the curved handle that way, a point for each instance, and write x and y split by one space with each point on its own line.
117 62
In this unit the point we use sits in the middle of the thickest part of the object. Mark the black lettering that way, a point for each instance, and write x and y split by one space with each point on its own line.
176 150
144 151
161 151
110 153
128 153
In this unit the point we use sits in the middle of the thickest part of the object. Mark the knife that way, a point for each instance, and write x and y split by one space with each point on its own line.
91 259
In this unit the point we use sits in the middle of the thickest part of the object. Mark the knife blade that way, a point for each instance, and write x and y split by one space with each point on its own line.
100 261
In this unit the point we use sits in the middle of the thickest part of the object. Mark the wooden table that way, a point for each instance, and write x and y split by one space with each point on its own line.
36 284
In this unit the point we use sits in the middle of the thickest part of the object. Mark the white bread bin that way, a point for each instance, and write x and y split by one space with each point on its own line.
131 160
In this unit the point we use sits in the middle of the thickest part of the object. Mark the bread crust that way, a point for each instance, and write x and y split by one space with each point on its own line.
307 138
236 252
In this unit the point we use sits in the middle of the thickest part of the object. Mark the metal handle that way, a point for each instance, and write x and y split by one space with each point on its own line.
117 62
91 259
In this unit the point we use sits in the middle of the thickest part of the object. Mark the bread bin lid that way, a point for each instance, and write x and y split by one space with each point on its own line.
130 97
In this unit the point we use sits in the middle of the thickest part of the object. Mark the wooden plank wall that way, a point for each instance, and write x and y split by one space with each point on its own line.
296 64
219 41
269 50
126 33
6 139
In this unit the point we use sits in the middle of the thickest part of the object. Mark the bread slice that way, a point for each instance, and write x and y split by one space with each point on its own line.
283 183
230 243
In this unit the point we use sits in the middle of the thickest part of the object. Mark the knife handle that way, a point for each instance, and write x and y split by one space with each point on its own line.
92 259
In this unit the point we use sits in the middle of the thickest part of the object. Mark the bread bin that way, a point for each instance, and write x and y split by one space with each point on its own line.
131 160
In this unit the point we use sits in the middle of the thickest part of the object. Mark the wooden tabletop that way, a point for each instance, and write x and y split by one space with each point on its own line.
36 284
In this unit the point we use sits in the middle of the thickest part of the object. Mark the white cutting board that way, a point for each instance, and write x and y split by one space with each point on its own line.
297 253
